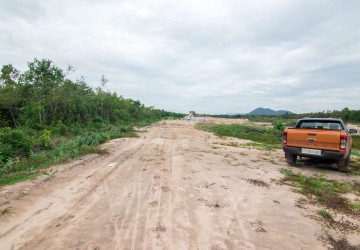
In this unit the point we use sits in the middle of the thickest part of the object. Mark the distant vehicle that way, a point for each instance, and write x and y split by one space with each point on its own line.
325 138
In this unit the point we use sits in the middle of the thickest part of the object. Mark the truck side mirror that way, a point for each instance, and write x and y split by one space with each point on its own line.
352 131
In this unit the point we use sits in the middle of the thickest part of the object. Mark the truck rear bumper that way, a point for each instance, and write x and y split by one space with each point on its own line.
325 154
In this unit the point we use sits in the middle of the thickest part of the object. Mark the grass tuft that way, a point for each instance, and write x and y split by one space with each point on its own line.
5 212
325 214
354 165
326 192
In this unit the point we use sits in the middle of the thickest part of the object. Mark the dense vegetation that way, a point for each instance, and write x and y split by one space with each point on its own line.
46 118
346 114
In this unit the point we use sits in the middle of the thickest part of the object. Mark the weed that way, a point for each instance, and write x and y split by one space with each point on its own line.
287 172
356 142
355 166
10 179
356 207
355 152
325 214
93 150
5 211
326 192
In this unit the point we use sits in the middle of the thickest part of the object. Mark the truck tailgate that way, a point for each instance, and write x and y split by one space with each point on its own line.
314 138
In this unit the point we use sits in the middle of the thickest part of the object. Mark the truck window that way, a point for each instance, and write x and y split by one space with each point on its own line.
307 125
331 125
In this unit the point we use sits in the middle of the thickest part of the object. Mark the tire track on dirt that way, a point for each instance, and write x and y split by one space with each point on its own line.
132 232
169 189
63 219
137 215
157 227
152 190
152 202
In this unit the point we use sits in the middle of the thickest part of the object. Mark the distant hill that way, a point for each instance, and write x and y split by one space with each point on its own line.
267 111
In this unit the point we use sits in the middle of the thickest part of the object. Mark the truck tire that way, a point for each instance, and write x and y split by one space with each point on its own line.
290 158
344 164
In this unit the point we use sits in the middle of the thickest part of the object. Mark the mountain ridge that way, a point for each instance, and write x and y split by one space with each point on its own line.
268 111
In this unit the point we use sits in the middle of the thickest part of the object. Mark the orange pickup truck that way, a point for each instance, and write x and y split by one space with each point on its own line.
325 138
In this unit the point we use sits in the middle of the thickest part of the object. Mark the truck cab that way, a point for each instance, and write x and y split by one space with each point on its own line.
326 138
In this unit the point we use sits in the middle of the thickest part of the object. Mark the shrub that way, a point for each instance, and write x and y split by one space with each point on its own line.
279 125
14 142
46 138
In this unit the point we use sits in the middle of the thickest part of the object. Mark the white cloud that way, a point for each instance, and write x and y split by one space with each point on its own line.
209 56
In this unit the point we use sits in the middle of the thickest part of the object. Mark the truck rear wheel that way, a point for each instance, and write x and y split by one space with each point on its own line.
344 164
290 158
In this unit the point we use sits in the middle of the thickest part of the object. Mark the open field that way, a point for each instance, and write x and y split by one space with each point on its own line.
178 187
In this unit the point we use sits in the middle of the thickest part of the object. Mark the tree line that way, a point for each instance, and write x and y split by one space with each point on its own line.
42 96
345 114
47 118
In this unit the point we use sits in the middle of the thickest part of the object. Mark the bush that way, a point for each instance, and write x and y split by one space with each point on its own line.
14 142
279 125
59 129
46 136
325 214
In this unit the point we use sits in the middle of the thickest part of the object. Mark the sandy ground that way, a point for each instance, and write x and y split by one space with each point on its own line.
174 187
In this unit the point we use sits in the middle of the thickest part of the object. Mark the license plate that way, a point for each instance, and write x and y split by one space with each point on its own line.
311 151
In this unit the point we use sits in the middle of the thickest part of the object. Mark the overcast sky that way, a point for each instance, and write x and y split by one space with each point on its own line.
209 56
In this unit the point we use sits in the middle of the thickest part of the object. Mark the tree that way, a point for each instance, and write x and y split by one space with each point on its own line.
10 95
9 75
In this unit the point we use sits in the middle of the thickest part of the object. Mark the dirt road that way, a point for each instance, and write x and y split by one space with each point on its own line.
174 187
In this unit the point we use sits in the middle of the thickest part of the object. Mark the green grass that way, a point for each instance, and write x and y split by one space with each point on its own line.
325 214
10 179
19 169
251 132
326 192
356 142
356 207
355 152
354 165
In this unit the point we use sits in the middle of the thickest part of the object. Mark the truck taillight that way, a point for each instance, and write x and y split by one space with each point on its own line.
343 141
284 137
